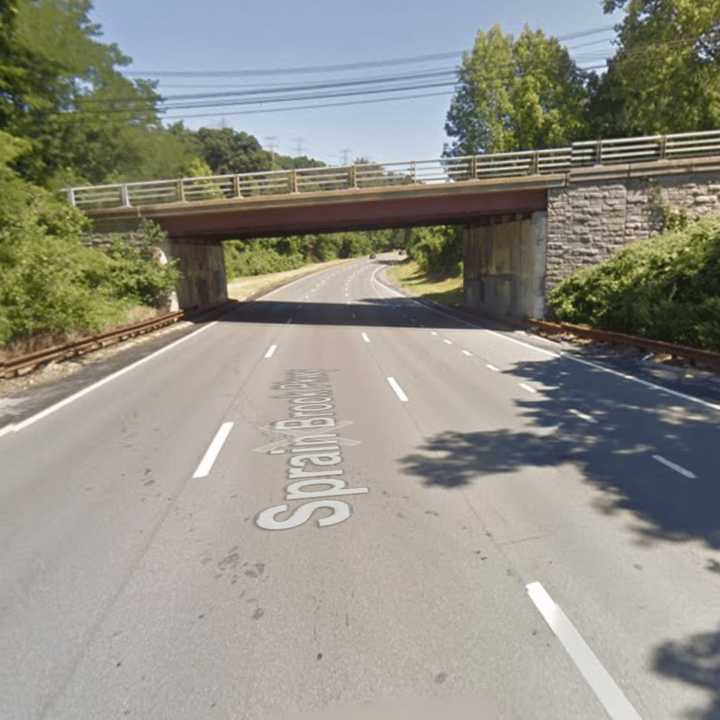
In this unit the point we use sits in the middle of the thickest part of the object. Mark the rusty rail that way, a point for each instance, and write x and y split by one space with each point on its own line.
31 361
706 357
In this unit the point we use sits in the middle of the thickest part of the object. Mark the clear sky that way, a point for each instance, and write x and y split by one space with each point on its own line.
223 35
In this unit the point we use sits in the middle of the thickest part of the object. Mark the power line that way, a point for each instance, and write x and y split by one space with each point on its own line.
334 68
310 107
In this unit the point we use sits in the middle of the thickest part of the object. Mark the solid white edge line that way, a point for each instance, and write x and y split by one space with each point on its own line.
674 466
208 460
398 390
561 354
597 677
109 378
365 337
527 387
270 351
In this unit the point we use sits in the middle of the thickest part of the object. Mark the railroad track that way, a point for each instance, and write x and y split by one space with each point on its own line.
694 355
24 364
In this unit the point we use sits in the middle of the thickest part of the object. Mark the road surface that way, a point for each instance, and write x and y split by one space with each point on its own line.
337 499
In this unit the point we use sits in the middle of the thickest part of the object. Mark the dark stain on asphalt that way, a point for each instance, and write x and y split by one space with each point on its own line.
149 482
637 566
319 656
432 512
259 612
231 560
441 677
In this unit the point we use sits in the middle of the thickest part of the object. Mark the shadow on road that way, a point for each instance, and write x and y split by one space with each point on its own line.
613 454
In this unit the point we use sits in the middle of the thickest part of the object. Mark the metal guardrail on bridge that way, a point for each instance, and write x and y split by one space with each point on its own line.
416 172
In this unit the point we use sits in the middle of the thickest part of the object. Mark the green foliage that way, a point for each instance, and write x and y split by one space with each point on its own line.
269 255
666 287
664 77
50 282
516 94
437 250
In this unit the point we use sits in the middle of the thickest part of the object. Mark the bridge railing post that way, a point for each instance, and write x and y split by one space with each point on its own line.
598 152
473 167
535 163
124 195
662 147
181 191
71 197
352 176
293 181
236 186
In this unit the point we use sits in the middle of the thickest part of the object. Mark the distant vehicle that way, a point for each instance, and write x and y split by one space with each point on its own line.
372 256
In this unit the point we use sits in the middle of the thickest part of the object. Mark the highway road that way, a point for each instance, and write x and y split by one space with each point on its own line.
337 500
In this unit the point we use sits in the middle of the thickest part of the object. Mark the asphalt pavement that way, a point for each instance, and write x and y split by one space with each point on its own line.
339 502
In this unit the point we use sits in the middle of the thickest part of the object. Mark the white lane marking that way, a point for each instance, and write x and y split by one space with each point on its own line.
597 677
673 466
467 352
527 387
447 342
398 390
76 396
432 332
203 469
582 415
562 354
365 337
270 351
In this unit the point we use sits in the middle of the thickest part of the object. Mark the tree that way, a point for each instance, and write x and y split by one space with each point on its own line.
228 151
665 76
516 94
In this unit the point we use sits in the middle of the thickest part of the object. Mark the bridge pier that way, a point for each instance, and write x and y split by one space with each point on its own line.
504 266
202 266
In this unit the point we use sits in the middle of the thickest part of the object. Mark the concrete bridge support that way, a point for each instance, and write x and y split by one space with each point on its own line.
504 266
202 267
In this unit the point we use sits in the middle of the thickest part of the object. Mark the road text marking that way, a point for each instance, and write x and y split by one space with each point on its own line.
582 415
270 351
203 469
608 693
677 468
398 390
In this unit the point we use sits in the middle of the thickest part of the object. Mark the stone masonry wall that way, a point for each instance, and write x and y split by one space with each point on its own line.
588 221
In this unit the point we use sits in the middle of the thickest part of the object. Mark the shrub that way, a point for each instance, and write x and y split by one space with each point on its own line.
666 287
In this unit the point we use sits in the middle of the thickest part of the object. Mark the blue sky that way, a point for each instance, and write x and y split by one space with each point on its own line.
183 35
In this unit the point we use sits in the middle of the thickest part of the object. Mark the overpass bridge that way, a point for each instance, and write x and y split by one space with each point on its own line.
531 217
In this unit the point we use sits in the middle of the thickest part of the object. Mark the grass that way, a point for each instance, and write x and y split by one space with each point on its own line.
442 289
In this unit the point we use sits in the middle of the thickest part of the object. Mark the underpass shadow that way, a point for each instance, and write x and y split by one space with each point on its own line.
367 312
613 453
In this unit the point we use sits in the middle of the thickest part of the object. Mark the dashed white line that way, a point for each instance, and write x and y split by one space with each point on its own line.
447 342
270 351
492 367
203 469
597 677
674 466
365 337
432 332
527 387
467 352
582 415
398 390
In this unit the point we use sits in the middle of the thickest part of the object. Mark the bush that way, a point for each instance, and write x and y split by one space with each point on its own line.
50 282
666 287
437 250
